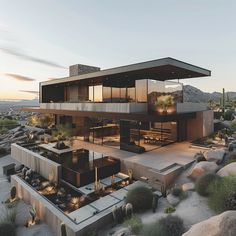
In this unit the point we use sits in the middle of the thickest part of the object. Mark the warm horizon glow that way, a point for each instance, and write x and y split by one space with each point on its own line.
108 34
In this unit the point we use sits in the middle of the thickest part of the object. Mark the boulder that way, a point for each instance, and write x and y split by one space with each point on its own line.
219 225
203 167
173 200
188 187
227 170
123 232
215 155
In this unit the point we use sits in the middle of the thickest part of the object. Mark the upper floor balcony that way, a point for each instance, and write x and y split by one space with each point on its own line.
122 107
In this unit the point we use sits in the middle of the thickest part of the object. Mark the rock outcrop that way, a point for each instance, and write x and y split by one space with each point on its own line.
220 225
202 167
227 170
215 155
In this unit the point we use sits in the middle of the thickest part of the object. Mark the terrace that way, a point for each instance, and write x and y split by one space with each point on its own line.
78 183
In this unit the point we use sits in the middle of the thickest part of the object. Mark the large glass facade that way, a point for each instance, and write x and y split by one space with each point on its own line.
141 90
163 96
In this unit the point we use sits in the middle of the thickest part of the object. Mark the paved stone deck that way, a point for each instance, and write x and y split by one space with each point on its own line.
179 153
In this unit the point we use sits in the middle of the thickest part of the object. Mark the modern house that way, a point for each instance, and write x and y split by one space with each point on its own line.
136 107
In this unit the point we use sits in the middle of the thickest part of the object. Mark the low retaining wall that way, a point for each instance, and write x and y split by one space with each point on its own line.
54 217
36 162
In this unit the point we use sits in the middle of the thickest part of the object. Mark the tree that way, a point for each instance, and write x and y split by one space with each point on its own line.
165 101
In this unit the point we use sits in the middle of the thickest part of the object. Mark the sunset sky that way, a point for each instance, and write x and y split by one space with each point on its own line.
40 39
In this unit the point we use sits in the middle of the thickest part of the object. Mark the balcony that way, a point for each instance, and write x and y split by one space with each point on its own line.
98 107
190 107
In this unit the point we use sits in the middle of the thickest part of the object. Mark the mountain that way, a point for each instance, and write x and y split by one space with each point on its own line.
193 94
25 102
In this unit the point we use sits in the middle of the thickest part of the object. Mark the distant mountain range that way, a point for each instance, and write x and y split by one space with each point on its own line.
193 94
25 102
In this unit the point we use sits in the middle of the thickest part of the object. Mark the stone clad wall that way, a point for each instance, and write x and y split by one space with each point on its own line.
36 162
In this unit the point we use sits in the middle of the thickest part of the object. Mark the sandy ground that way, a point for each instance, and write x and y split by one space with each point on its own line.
192 210
22 209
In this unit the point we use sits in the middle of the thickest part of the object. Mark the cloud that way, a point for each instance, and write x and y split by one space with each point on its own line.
26 57
30 91
19 77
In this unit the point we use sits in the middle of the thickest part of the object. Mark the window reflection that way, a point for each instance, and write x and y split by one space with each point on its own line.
141 90
98 93
91 93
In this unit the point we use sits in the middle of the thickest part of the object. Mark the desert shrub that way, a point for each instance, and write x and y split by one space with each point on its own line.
233 125
169 210
177 191
229 114
223 194
171 226
140 197
199 156
3 131
152 229
203 182
167 226
135 223
7 228
7 122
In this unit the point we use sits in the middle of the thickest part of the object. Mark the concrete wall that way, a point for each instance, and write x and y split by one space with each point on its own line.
190 107
54 217
201 126
97 107
45 210
36 162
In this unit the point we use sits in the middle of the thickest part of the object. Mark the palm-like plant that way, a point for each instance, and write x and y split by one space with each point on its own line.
165 101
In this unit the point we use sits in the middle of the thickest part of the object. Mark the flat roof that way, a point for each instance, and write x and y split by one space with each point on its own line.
161 69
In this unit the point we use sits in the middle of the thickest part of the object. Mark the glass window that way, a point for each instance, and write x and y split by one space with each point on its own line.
123 93
141 90
131 94
82 92
106 94
91 93
115 94
174 89
98 93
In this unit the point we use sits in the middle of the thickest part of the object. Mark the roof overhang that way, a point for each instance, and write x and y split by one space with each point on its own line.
161 69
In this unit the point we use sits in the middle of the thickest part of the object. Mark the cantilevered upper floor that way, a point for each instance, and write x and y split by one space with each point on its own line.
141 87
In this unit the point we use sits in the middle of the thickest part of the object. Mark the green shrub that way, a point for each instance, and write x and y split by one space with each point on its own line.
203 182
7 122
177 191
140 197
223 194
7 228
199 156
233 125
3 131
135 223
171 226
168 226
152 229
169 210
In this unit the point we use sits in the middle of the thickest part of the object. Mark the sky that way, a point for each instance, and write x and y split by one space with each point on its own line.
39 40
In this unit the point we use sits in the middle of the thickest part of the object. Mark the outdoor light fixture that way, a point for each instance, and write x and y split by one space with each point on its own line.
75 202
